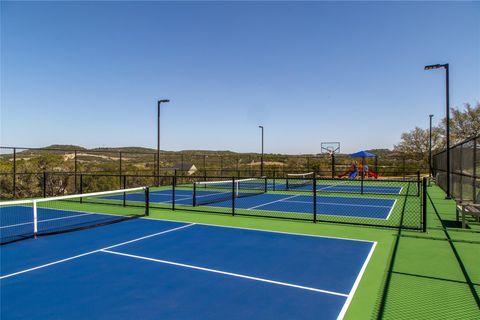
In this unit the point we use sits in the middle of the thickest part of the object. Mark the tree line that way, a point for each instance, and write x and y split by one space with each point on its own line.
464 124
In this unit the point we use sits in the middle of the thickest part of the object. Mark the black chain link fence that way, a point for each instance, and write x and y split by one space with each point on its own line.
369 202
465 170
21 168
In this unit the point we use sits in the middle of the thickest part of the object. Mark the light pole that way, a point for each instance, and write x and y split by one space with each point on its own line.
158 138
447 111
261 164
430 146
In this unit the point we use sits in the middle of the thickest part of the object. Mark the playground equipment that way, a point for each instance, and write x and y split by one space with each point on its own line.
362 170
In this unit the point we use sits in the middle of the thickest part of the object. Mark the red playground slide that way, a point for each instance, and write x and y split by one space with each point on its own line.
372 174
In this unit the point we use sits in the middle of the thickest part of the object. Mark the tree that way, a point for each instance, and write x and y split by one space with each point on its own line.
464 124
415 144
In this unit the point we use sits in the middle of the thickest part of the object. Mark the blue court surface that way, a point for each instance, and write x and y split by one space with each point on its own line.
360 207
151 269
346 187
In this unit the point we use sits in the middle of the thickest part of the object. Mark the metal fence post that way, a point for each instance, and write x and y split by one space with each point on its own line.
44 184
147 201
474 165
314 199
274 174
362 176
14 191
75 170
174 182
81 187
418 183
194 196
333 164
182 163
233 196
120 169
221 165
424 205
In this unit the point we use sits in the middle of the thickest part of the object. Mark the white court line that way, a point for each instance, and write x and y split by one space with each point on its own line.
379 187
334 185
264 204
340 204
261 230
226 273
311 213
95 251
391 209
179 198
356 283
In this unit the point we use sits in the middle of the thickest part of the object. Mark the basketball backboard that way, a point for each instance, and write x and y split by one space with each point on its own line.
330 147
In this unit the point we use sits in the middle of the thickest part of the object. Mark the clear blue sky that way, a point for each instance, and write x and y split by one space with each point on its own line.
90 73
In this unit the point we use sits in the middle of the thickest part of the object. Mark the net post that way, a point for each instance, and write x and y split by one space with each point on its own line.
174 183
124 199
147 201
233 196
35 219
124 181
314 188
194 195
286 183
424 205
266 184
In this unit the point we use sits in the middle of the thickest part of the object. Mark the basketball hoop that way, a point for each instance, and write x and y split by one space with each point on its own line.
330 148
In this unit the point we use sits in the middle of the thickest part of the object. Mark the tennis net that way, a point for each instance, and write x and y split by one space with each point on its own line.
208 192
30 218
299 180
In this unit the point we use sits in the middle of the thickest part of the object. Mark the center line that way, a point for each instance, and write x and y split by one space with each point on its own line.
264 204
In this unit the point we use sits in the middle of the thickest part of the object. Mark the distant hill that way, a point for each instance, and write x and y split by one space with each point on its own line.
125 149
64 147
381 152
